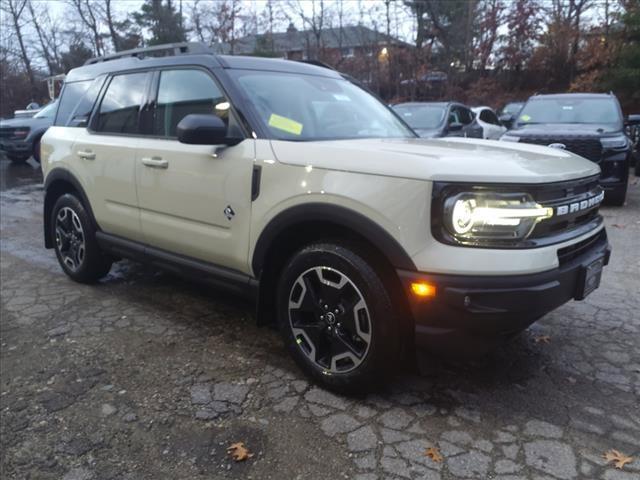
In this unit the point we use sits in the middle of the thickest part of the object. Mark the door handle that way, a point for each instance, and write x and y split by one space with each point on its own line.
86 154
155 162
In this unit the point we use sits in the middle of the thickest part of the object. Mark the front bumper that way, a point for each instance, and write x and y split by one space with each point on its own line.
16 147
471 314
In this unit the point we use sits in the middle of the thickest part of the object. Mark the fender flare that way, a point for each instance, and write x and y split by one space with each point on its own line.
341 216
62 175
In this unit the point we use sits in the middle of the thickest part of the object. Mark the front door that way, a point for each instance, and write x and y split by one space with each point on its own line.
106 154
195 200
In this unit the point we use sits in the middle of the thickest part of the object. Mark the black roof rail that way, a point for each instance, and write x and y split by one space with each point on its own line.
317 63
168 49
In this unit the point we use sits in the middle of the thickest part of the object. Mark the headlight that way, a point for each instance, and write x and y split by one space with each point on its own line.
478 217
509 138
619 141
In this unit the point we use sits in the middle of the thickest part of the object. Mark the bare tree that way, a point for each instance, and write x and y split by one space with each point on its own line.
87 12
15 9
113 32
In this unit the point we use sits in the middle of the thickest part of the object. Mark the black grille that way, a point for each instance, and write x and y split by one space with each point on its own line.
7 132
565 194
566 254
587 147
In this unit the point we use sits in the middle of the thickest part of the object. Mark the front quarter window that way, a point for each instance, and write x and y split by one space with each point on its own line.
308 107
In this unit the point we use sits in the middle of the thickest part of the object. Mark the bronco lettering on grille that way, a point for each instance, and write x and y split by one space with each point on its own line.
579 206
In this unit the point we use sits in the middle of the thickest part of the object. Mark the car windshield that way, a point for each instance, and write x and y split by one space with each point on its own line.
47 112
512 108
423 117
308 107
570 110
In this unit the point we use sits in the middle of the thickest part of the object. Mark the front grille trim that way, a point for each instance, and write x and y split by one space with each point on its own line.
588 147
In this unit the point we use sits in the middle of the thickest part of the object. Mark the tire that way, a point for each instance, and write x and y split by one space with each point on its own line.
345 353
17 158
616 197
75 241
36 151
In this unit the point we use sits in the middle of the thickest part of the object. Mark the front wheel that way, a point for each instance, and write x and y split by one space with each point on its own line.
336 318
616 197
76 246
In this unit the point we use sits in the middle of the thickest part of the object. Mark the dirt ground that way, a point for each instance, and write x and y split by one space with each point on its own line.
146 376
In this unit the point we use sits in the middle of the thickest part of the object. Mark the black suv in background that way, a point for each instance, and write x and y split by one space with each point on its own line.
20 137
440 119
588 124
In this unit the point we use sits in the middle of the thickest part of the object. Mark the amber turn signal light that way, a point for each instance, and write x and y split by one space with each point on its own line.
423 289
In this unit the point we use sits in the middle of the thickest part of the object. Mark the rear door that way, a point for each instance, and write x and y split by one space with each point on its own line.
195 200
106 153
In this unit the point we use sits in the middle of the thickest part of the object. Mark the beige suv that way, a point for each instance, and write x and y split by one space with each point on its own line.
293 185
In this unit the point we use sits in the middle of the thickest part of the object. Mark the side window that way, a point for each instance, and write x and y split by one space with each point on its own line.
454 116
489 117
81 113
183 92
121 103
69 98
466 116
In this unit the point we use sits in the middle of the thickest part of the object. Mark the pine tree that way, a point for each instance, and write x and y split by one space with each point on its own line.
162 20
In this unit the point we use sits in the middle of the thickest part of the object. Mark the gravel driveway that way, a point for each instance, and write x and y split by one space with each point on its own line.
146 376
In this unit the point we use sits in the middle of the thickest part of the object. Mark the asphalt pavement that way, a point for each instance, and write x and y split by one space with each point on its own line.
147 376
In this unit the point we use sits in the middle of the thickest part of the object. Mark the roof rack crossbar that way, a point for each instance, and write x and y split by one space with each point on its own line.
170 49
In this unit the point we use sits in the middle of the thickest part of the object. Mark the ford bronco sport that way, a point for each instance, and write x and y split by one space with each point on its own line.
291 184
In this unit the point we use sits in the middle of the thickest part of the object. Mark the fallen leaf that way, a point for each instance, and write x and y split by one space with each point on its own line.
618 458
542 339
617 225
434 454
239 452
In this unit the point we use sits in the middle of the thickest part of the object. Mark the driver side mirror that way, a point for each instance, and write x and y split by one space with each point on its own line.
204 129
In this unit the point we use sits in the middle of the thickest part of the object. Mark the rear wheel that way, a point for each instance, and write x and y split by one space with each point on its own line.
75 243
336 318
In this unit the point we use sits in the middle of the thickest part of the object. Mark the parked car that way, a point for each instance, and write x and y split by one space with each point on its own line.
509 113
588 124
439 119
356 237
492 129
633 132
20 137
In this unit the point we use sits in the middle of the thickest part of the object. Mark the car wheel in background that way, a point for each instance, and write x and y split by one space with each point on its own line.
616 197
336 317
75 241
36 151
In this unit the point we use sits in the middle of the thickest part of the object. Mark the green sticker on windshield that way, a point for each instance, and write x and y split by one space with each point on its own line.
285 124
526 118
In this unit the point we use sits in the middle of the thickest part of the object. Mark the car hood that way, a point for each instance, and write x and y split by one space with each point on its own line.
32 123
565 129
447 159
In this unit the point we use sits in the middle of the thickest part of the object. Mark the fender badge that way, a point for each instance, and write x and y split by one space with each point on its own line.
229 213
560 146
